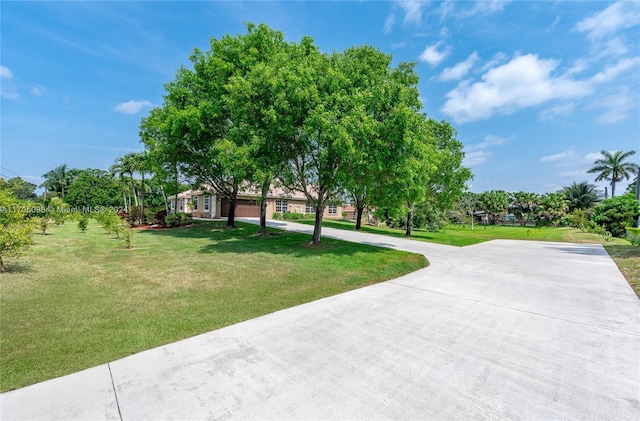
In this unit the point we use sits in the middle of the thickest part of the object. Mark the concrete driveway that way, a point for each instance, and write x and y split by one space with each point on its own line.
504 329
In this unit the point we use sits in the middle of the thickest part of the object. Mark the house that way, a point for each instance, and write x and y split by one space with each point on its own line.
206 203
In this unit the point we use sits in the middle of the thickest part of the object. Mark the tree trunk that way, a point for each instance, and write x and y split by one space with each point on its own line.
613 189
409 220
359 211
472 218
142 201
2 269
317 227
177 186
262 231
232 213
124 199
166 202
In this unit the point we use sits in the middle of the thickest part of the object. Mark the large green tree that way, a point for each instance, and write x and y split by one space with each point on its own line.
23 190
523 205
93 188
617 213
613 168
197 117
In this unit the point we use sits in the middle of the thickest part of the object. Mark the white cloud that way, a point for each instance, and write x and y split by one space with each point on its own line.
474 158
620 15
132 107
557 110
617 106
5 72
590 157
525 81
37 90
498 58
434 57
478 153
568 155
485 7
460 70
612 72
412 11
389 22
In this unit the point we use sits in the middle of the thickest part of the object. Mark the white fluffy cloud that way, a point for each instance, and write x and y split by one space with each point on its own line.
5 72
460 70
612 72
433 55
617 106
620 15
478 153
132 107
523 82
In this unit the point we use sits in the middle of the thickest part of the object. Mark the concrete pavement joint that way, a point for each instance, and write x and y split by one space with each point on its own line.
115 393
515 309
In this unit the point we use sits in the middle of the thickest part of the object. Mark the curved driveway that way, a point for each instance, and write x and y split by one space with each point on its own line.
503 329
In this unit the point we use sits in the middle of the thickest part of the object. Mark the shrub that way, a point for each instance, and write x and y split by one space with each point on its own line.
616 213
277 216
159 217
292 216
127 236
43 223
579 219
83 223
633 235
174 220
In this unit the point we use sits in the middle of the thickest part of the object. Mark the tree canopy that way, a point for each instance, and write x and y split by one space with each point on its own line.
612 167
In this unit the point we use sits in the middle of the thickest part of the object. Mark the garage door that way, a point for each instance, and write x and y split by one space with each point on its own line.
244 208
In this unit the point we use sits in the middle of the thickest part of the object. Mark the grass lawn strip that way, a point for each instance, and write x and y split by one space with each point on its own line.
77 299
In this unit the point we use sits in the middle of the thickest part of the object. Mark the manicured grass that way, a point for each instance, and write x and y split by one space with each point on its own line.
455 235
81 299
627 257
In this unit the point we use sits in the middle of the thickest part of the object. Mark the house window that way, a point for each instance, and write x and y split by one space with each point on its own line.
181 205
333 209
195 202
206 203
173 204
310 208
281 206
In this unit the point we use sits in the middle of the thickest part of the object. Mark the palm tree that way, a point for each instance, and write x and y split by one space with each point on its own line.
613 168
58 179
141 163
580 195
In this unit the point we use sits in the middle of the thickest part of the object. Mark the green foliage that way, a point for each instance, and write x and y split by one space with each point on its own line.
93 189
293 216
127 236
42 223
633 235
109 219
83 223
551 209
174 220
495 204
580 219
277 216
580 195
15 229
616 213
23 190
59 179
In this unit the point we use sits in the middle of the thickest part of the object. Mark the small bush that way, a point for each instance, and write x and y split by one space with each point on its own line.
174 220
633 235
616 213
277 216
43 224
159 217
83 223
127 236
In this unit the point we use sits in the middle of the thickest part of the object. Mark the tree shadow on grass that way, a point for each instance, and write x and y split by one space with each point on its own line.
17 267
243 240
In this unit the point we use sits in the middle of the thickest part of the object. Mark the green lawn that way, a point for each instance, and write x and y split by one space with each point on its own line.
81 299
627 257
464 236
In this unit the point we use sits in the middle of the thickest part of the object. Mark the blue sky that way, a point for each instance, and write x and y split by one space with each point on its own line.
535 89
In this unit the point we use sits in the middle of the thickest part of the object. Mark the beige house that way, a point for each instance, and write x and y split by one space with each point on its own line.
206 203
